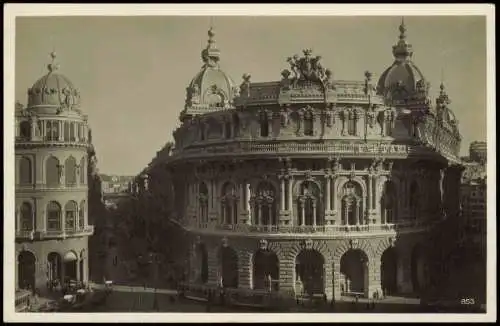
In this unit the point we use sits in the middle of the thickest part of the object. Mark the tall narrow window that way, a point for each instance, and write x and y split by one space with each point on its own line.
26 217
70 171
52 171
308 124
351 125
53 216
25 171
70 215
264 125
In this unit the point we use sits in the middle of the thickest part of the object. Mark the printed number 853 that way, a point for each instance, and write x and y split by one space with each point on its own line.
467 301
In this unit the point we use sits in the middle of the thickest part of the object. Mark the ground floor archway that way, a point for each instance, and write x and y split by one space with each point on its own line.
389 271
309 272
265 270
354 270
228 264
26 267
70 266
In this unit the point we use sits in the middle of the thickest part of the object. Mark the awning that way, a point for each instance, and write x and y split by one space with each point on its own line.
70 256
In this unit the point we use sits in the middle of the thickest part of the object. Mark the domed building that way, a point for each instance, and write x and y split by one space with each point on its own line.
309 185
51 220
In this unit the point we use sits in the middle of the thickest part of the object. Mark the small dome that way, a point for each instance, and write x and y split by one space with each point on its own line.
403 78
53 90
211 86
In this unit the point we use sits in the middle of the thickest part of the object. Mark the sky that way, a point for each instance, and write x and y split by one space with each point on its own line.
132 72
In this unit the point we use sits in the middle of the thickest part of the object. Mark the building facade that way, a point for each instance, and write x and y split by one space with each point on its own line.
473 197
309 185
51 159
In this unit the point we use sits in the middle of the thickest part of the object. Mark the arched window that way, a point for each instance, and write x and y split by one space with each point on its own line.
66 131
203 201
81 214
229 204
70 171
26 217
352 204
82 170
414 200
53 216
70 215
351 124
25 171
52 171
264 125
308 123
264 204
309 204
25 130
388 203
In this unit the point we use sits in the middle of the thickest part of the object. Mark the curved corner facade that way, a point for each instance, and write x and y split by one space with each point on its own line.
314 186
51 220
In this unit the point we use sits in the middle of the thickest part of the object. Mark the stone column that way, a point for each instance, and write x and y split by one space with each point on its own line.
270 222
40 216
314 213
303 213
213 265
374 280
282 203
328 280
328 198
357 213
244 269
287 272
337 279
63 220
223 213
78 276
346 216
33 125
60 130
247 198
290 198
259 214
370 196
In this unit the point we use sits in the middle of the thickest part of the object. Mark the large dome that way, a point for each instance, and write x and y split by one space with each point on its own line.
53 90
403 78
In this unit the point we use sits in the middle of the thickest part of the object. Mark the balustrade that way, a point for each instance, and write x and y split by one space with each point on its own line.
409 225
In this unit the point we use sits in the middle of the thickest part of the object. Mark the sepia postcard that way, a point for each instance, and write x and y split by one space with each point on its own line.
249 163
